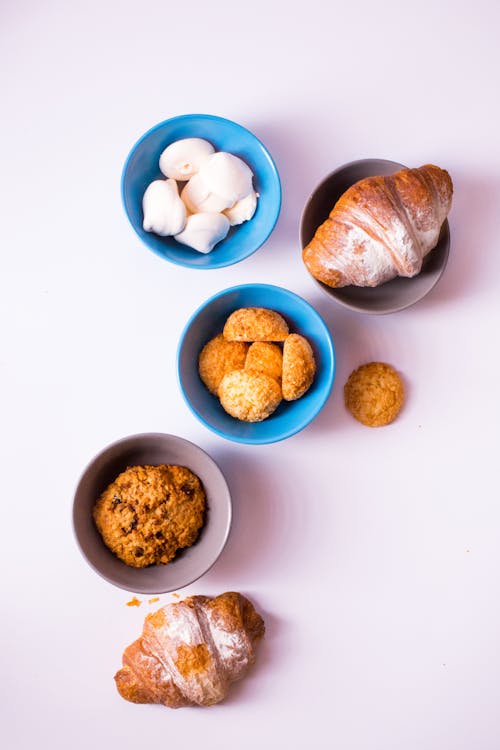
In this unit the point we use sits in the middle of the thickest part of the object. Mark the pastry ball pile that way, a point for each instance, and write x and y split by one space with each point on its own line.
255 363
206 192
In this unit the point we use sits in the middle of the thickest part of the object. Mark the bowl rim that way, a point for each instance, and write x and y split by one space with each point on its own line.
330 291
332 362
341 168
145 436
216 118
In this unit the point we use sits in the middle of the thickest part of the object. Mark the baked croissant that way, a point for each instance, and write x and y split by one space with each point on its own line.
190 651
380 228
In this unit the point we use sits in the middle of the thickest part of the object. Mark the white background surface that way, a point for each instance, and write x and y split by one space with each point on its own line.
373 555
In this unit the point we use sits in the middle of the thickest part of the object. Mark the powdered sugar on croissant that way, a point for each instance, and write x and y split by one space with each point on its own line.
380 228
190 651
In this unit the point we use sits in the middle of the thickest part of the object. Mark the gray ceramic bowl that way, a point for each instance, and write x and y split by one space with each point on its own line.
190 563
394 295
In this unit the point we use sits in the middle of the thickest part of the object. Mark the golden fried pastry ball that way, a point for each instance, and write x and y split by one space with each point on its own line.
217 358
299 367
249 396
262 356
374 394
255 324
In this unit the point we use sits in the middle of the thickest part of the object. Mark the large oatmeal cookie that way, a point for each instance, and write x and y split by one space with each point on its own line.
150 512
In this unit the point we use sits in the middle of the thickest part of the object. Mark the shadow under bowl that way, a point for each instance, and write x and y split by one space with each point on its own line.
394 295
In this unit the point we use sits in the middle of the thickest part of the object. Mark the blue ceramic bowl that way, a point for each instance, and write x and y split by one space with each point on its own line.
141 168
208 321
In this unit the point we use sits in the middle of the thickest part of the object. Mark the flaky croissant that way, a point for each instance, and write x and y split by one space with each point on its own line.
190 651
380 228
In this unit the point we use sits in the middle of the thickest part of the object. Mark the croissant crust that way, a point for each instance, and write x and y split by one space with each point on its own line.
381 227
191 651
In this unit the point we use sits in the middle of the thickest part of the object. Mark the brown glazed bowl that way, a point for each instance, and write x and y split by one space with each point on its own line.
190 563
396 294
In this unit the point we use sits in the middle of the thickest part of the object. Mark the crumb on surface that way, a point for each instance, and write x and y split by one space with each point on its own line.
134 602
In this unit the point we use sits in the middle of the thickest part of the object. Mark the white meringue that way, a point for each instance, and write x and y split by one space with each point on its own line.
203 231
164 212
243 210
227 176
197 197
182 159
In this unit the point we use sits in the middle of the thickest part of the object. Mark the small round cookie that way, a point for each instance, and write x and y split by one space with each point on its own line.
255 324
374 394
299 367
150 512
262 356
217 358
249 396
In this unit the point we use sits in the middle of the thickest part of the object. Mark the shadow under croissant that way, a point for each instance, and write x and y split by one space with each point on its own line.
472 220
265 655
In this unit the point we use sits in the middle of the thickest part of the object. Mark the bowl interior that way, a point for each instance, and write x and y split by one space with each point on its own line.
396 294
189 564
208 321
141 168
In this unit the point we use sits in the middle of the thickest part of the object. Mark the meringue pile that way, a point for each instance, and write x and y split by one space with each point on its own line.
216 194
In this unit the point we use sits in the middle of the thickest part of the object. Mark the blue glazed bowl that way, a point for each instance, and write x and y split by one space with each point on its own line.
208 321
141 168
